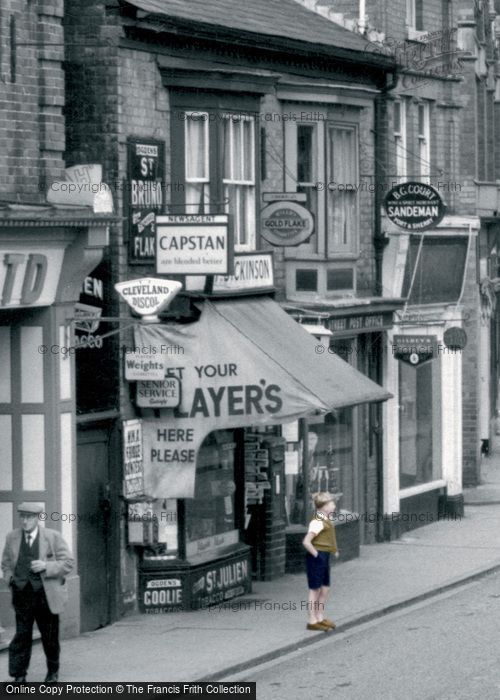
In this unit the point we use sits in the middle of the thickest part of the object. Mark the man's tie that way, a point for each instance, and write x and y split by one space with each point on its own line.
28 539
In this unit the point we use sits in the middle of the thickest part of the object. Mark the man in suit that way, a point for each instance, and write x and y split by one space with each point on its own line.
35 562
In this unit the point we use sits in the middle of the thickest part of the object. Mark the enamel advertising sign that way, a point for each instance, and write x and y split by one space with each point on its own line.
414 206
286 223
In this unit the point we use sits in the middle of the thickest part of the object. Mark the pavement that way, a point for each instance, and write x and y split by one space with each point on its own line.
216 643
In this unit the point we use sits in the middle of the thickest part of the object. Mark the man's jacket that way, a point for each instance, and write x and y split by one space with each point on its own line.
56 554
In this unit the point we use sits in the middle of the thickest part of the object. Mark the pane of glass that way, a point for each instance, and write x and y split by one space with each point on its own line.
197 198
226 147
238 150
440 269
304 153
248 150
417 462
306 280
341 199
211 511
421 121
196 147
330 458
397 117
339 279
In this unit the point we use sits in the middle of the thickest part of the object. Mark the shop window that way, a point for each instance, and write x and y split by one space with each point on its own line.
214 161
400 138
419 423
331 457
210 515
440 269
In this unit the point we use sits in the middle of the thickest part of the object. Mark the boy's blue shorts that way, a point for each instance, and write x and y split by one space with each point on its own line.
318 570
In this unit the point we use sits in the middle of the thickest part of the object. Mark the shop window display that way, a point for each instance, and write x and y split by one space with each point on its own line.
212 510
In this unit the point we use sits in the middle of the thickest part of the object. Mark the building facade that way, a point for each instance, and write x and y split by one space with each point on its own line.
195 114
47 247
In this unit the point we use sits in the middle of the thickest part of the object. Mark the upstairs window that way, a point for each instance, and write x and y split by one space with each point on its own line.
214 153
424 150
400 147
414 17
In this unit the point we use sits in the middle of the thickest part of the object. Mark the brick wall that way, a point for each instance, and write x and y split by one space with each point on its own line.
32 98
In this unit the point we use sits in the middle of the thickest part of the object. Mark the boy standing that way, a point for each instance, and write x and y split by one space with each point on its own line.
320 541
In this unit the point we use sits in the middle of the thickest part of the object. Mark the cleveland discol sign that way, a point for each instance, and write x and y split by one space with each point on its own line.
414 206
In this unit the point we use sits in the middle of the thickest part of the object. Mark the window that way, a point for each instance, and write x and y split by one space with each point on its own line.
419 423
239 177
440 269
414 17
342 195
400 138
424 151
322 162
214 160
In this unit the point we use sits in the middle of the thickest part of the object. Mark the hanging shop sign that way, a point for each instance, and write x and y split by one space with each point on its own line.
144 196
161 394
415 349
253 272
144 367
193 245
455 338
148 296
29 277
286 223
133 475
414 206
284 197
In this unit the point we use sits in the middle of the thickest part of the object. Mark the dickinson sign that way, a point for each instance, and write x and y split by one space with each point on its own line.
253 272
193 244
414 206
286 223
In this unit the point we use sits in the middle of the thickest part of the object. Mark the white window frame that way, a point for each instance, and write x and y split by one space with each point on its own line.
202 117
351 247
413 33
424 142
241 183
400 140
312 249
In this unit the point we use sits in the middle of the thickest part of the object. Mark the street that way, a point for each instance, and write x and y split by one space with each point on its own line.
443 650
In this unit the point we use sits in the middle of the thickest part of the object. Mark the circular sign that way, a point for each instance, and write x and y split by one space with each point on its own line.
455 338
286 223
414 358
414 206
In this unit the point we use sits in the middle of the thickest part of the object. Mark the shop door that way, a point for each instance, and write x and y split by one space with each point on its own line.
94 527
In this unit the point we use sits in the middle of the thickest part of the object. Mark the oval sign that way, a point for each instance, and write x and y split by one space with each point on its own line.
414 206
286 223
455 338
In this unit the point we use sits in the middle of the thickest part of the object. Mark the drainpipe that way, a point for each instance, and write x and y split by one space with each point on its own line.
379 243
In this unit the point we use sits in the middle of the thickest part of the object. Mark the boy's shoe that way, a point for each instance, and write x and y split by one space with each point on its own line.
317 627
328 623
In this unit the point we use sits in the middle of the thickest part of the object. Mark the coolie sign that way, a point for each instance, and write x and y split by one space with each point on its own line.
414 206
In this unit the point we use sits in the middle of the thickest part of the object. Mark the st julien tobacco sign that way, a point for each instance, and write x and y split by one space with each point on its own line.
414 206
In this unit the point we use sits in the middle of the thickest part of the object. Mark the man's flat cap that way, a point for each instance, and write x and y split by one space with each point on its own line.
29 508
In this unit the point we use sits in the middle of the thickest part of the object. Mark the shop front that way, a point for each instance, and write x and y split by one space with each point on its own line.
214 466
427 349
341 451
45 254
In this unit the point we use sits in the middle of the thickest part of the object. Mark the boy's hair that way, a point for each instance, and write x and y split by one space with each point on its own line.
321 498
